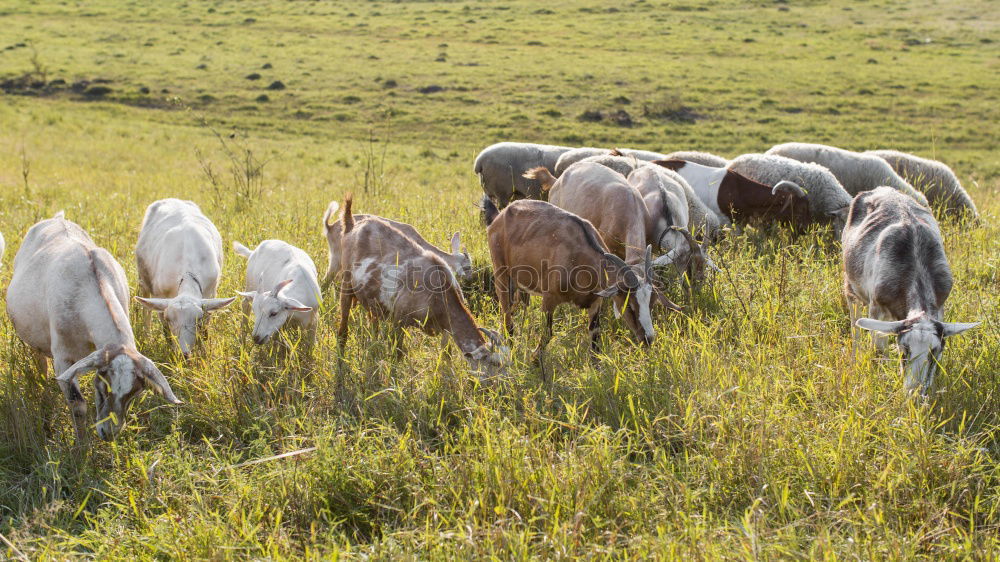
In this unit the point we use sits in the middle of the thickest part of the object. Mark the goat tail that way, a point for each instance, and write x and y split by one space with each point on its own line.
346 216
242 250
330 211
543 175
489 209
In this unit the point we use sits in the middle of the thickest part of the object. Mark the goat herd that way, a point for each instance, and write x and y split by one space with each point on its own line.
608 212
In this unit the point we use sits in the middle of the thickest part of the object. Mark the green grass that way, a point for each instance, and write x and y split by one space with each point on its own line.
748 430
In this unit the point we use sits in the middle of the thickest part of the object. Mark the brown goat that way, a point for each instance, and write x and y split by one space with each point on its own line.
396 279
546 251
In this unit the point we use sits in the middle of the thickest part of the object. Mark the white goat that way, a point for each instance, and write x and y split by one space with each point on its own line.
68 300
894 262
179 259
282 287
855 171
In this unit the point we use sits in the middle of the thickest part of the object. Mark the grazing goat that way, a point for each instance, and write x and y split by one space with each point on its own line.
395 278
894 262
935 179
68 300
541 249
668 225
501 168
855 171
179 259
281 288
827 200
738 197
458 260
703 158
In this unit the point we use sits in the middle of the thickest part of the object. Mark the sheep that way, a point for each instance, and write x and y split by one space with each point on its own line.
395 278
281 289
703 158
855 171
894 262
68 300
501 166
179 260
668 223
544 250
935 179
458 260
736 196
575 155
828 202
621 164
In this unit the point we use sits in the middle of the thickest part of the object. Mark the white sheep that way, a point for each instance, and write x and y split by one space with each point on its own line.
575 155
282 287
856 171
703 158
935 179
501 166
828 201
179 259
68 300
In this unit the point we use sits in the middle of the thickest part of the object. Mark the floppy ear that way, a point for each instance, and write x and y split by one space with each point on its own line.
211 305
251 295
155 378
492 336
154 304
88 363
292 304
456 242
955 328
667 303
609 292
880 325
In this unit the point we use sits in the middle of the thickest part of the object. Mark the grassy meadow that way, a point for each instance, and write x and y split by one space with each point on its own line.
748 430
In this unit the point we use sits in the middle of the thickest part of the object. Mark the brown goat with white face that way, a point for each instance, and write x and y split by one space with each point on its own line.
546 251
394 278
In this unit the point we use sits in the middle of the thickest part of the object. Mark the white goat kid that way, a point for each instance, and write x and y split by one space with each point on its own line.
179 259
282 288
68 300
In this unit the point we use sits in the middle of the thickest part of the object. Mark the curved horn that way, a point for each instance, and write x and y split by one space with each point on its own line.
155 378
687 236
280 286
788 187
615 260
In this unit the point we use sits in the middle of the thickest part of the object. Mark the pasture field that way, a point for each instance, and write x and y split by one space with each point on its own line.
748 430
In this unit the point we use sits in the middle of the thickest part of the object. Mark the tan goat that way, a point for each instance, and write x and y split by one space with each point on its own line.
396 279
546 251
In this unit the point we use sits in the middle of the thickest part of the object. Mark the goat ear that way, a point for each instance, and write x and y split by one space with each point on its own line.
456 242
210 305
88 363
248 295
788 187
955 328
667 303
292 304
152 375
880 325
666 259
154 304
492 336
609 292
